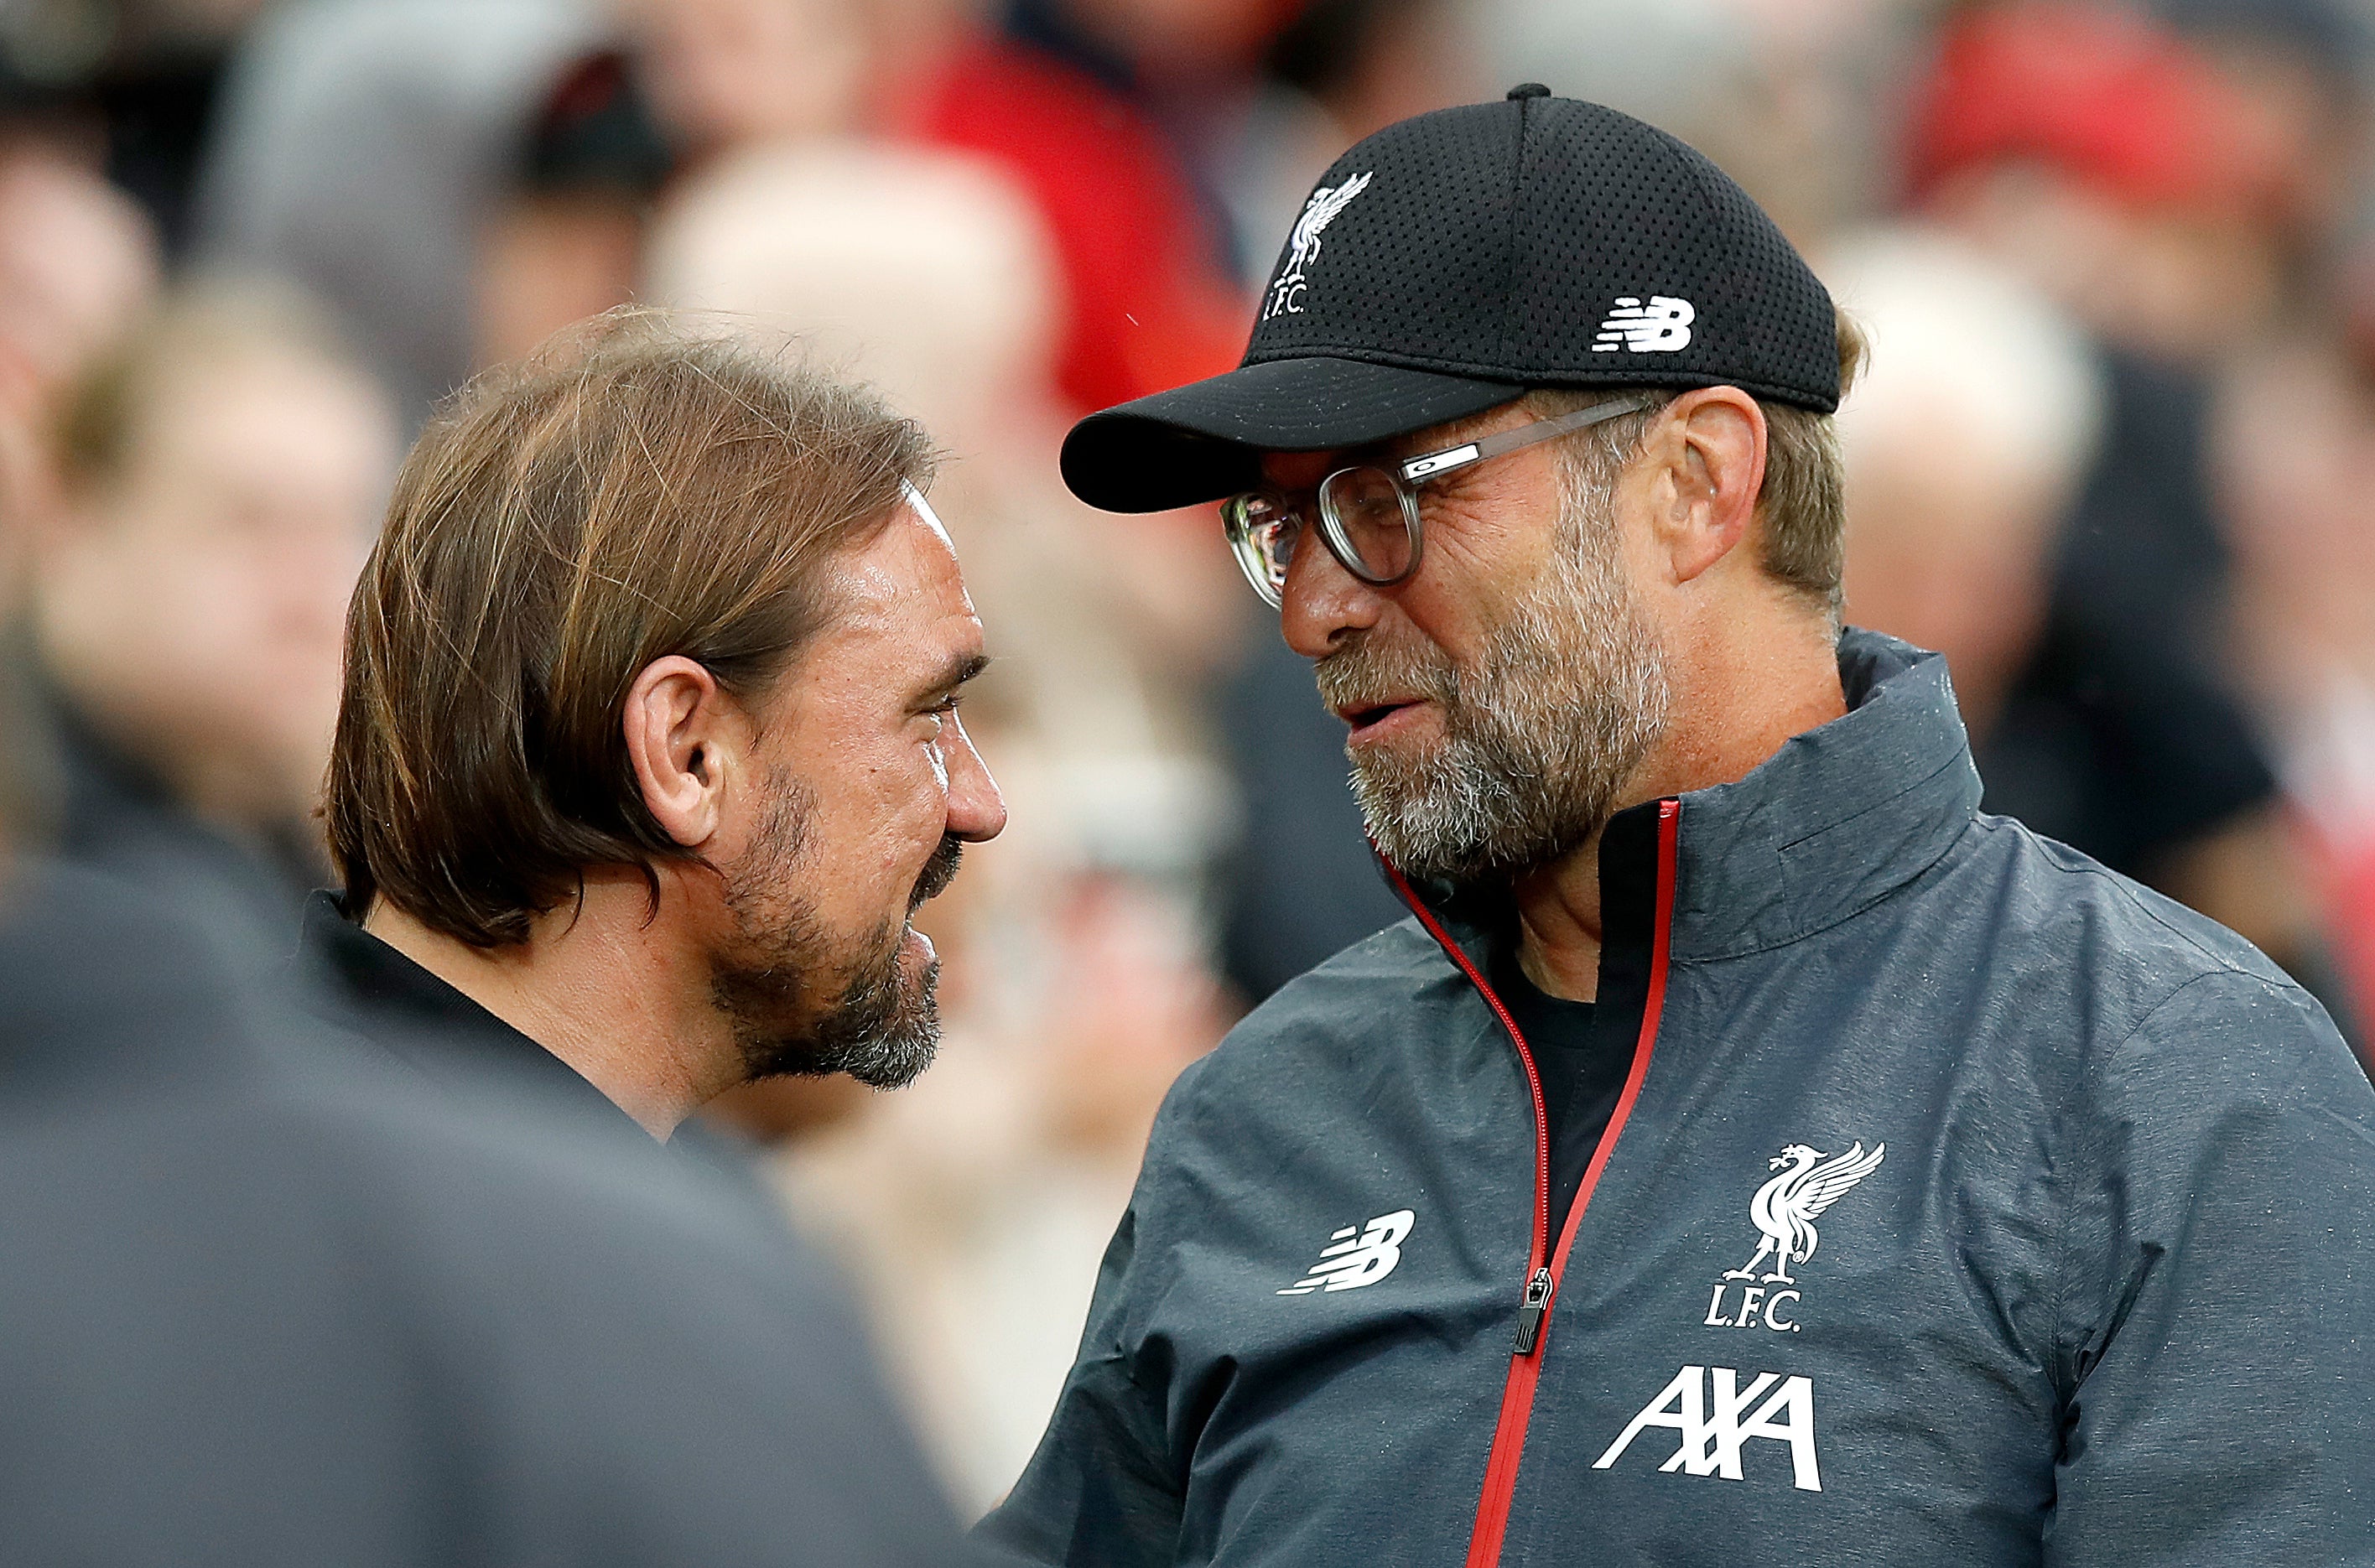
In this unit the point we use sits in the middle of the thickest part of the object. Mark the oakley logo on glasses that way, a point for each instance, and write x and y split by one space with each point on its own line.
1438 462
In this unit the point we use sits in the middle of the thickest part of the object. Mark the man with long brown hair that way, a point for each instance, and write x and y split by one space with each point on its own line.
648 747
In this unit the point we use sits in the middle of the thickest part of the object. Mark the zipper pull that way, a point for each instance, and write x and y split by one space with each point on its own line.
1536 1307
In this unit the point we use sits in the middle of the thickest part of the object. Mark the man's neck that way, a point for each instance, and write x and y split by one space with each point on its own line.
596 991
1733 708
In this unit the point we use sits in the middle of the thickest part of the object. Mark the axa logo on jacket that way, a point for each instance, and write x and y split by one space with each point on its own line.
1716 1417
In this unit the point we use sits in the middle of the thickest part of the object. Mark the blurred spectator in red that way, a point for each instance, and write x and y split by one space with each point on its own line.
2097 153
2114 164
1145 303
220 473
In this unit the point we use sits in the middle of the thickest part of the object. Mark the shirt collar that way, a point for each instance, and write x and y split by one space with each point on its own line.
386 996
1838 818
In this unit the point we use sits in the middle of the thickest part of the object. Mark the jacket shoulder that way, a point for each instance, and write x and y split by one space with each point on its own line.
2056 886
1357 1015
2136 957
1343 996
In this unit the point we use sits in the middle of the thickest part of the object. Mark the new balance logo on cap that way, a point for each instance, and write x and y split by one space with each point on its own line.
1661 326
1351 1260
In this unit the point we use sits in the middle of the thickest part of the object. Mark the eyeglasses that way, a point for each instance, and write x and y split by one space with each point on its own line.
1368 515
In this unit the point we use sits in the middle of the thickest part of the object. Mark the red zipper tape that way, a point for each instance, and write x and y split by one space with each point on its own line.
1525 1368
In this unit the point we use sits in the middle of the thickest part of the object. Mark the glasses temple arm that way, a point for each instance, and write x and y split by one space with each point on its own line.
1429 464
1564 424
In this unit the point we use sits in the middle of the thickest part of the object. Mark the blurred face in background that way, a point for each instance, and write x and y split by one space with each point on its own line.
190 602
731 73
77 261
1948 550
1966 444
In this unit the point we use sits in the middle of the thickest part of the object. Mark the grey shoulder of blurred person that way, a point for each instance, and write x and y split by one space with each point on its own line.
87 802
268 1305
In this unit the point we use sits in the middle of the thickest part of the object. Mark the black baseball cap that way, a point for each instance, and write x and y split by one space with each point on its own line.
1449 262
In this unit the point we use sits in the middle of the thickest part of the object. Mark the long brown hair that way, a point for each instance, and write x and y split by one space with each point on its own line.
634 494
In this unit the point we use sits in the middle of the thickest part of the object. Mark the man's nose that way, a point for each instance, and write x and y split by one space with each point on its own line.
977 811
1322 603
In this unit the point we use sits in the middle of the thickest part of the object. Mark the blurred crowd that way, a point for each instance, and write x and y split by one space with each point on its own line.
2115 457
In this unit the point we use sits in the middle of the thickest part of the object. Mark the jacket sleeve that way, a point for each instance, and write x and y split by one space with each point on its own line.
2217 1334
1101 1492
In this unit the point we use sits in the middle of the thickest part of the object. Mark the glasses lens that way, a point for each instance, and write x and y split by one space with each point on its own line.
1371 519
1263 532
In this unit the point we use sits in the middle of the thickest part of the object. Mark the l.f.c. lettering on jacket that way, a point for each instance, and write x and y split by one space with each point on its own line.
1966 1204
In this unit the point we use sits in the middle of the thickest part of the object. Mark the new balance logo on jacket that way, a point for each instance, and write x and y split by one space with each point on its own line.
1357 1255
1958 1186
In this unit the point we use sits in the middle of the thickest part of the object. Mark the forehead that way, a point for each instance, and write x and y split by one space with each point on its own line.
904 588
260 397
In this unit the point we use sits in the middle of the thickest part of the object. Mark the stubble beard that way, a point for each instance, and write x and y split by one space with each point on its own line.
882 1025
1542 731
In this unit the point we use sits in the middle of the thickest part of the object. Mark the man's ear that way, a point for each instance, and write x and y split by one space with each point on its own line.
1712 465
683 731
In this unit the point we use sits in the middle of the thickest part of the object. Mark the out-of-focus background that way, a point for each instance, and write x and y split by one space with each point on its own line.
2115 455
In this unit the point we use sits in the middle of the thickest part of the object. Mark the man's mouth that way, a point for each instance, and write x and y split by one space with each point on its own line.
938 873
1371 719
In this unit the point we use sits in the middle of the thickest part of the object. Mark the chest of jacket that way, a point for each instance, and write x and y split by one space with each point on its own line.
1810 1299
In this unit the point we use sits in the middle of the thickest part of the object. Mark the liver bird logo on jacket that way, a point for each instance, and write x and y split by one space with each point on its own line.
1785 1208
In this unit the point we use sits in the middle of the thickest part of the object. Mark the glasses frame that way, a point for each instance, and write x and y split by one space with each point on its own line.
1406 477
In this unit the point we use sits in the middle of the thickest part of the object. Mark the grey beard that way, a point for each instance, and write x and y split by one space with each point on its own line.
883 1032
883 1029
1541 732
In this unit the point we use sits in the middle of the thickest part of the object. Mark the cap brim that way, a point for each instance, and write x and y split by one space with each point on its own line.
1204 440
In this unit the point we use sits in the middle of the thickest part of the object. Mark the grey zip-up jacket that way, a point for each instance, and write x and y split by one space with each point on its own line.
1967 1203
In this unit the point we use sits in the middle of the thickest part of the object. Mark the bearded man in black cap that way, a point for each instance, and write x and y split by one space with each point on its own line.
1746 1145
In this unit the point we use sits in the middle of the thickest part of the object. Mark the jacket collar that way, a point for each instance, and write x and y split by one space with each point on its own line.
1839 819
